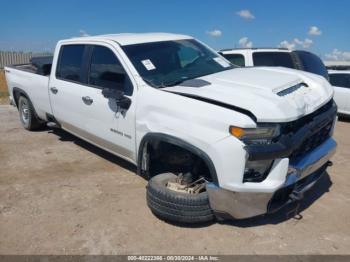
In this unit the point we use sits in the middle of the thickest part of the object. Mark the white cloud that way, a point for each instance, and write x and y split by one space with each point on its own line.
286 44
314 30
306 43
338 55
215 33
83 33
246 14
245 42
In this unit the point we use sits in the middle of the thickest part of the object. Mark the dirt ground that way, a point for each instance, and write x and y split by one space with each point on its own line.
3 88
60 195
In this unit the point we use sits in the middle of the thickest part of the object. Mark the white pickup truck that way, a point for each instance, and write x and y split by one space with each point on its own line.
213 139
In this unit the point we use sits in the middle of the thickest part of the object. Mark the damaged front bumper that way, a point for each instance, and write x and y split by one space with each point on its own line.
303 173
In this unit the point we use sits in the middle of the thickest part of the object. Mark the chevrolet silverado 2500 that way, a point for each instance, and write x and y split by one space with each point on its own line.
214 140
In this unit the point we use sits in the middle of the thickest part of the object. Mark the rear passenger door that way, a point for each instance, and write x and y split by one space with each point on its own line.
66 84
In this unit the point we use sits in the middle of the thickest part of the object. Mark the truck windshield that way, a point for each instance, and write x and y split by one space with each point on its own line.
170 63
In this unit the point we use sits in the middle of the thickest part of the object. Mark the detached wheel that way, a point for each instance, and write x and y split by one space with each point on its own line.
174 204
27 115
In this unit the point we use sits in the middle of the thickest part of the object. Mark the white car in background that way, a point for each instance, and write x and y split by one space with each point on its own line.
295 59
340 80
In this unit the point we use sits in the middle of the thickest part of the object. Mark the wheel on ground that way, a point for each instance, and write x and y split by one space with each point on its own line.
174 202
27 115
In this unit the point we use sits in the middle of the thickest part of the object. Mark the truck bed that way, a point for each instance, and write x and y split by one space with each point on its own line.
25 67
26 79
37 65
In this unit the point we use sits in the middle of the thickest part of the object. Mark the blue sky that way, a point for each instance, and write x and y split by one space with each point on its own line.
37 25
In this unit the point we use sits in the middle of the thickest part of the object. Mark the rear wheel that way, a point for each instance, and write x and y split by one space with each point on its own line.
173 200
27 115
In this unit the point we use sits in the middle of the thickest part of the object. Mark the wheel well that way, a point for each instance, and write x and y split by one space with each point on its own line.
17 93
161 154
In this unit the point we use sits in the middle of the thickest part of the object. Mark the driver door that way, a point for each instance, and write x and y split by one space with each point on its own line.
106 124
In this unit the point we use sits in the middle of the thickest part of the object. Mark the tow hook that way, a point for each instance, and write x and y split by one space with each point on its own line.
296 197
329 163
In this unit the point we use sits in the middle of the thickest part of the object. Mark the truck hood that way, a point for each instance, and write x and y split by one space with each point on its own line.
271 94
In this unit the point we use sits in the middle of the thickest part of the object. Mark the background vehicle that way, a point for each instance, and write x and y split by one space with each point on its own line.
297 59
212 139
337 65
340 80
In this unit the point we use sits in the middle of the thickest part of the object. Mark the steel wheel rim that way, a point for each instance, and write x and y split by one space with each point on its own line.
25 112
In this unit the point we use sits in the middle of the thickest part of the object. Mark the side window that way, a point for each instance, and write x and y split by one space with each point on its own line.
341 80
273 59
236 59
312 63
107 72
70 63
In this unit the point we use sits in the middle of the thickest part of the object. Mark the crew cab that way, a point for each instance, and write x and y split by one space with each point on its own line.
296 59
214 140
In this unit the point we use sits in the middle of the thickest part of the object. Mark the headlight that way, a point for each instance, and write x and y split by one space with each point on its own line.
261 135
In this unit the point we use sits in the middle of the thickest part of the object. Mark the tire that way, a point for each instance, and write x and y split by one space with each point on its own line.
175 206
27 114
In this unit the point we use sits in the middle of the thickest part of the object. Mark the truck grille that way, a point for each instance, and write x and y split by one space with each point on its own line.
322 133
314 140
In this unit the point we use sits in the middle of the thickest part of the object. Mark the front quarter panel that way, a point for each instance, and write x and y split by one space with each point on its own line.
198 123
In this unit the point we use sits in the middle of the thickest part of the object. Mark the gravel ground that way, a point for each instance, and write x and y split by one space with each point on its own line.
60 195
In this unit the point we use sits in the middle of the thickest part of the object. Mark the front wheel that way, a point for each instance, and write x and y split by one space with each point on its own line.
174 204
27 114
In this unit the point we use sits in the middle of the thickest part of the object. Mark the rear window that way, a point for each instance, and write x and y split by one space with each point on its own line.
273 59
70 63
341 80
236 59
312 63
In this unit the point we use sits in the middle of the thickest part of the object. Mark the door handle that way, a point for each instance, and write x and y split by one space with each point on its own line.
54 90
87 100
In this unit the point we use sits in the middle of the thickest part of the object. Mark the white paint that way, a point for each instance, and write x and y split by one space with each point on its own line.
198 123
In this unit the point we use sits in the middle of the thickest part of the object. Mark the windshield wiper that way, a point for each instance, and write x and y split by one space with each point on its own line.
172 83
150 82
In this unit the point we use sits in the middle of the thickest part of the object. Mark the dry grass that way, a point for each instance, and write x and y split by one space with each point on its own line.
3 88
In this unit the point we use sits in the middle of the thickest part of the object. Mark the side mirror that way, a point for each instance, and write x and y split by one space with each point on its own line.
119 96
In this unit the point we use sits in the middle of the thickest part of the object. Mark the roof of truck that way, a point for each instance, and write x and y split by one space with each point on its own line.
260 49
134 38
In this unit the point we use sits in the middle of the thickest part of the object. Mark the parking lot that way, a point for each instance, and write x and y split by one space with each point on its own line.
61 195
